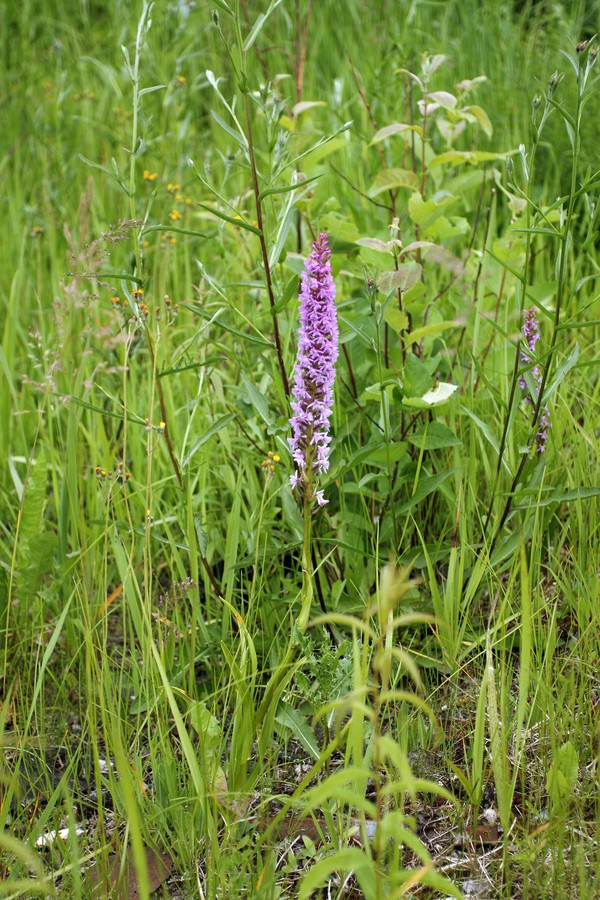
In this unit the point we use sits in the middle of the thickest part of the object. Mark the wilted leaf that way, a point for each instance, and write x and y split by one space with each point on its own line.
439 394
105 878
404 277
374 244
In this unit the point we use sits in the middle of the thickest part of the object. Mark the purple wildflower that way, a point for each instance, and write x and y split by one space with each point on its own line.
531 333
314 372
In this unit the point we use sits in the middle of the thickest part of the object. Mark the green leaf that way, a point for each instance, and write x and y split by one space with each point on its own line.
395 128
222 422
389 179
415 377
258 25
434 436
487 433
560 373
445 100
581 493
293 721
465 157
288 187
235 135
424 212
395 318
223 5
349 859
241 223
205 725
480 116
258 401
150 90
562 776
427 486
434 328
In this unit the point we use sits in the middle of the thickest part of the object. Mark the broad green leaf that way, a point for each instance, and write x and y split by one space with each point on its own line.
434 328
395 128
416 378
424 212
290 719
389 179
434 436
465 157
305 105
446 100
392 452
205 725
427 485
480 116
395 318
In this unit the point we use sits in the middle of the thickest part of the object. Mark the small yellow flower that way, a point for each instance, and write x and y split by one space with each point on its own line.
188 201
174 215
161 427
138 293
150 176
181 80
179 197
36 231
173 188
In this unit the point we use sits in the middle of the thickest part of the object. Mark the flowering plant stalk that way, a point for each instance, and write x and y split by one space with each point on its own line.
531 333
312 392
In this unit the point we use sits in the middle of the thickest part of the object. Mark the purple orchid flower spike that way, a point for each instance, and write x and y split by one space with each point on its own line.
531 333
314 372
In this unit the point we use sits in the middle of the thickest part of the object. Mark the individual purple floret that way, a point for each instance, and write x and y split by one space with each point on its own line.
314 372
531 333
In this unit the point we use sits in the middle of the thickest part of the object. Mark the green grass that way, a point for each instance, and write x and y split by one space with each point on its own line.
435 729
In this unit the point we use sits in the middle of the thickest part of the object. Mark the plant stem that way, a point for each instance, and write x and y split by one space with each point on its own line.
263 246
307 583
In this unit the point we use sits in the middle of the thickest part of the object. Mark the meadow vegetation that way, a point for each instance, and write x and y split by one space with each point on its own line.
211 687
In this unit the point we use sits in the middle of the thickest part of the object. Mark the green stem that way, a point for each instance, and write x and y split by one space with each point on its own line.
307 582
